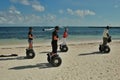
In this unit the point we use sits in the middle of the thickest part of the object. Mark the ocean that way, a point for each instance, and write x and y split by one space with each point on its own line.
18 35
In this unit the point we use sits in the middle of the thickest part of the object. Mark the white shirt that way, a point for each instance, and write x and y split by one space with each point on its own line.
105 33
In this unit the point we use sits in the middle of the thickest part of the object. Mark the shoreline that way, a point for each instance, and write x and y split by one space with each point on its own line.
69 43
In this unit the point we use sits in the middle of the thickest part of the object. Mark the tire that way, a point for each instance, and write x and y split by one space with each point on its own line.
106 49
64 48
100 48
48 58
56 61
60 47
30 54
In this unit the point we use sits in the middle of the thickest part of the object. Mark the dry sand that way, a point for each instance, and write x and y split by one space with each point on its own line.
82 62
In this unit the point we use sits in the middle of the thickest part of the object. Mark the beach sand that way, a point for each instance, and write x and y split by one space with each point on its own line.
82 62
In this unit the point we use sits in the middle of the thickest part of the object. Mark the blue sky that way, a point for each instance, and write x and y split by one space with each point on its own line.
60 12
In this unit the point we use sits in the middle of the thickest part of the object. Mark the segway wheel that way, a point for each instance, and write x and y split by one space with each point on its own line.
56 61
60 47
30 54
64 48
48 57
100 48
107 49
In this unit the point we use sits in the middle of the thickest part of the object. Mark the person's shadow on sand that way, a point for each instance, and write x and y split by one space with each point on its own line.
40 66
45 52
13 58
92 53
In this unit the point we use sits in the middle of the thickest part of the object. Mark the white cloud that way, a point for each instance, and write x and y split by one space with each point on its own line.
14 17
25 2
13 10
11 16
61 11
2 19
70 11
116 6
38 7
33 3
80 13
49 17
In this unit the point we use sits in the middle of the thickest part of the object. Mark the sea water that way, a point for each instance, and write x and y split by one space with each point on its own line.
19 34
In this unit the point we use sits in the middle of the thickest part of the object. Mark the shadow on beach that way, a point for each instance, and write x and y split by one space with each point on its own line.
92 53
48 52
44 52
40 66
13 58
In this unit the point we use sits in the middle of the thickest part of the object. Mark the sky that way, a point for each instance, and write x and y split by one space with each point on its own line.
59 12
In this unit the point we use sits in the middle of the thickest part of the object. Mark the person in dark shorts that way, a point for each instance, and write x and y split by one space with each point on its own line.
30 38
55 40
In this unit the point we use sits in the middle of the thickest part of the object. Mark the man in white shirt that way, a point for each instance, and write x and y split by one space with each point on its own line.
105 35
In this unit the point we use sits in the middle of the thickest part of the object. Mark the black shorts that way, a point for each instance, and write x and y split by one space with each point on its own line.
30 41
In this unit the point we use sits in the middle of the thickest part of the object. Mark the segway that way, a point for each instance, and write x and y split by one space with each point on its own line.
30 53
63 48
55 60
105 48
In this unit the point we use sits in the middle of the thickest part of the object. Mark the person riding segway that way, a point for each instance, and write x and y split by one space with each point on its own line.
63 46
106 39
30 52
53 57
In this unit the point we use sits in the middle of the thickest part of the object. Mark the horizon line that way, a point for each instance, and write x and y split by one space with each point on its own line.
52 26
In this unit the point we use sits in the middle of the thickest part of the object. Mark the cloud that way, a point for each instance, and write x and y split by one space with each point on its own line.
70 11
80 13
12 16
38 7
24 2
116 6
33 3
39 20
61 11
13 10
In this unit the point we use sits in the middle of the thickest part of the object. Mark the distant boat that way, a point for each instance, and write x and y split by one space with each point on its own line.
48 29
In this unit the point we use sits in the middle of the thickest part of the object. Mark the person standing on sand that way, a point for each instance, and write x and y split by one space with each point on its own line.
65 35
105 36
30 38
54 42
